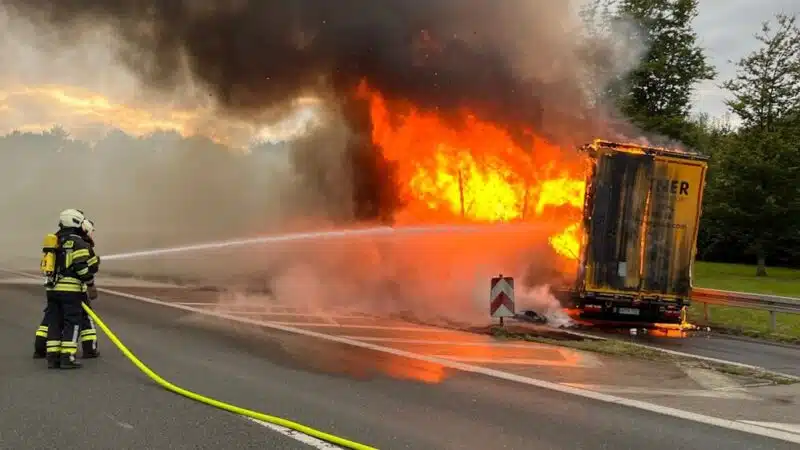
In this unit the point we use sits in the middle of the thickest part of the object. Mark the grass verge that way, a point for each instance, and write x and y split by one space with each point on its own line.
613 347
748 322
742 321
742 278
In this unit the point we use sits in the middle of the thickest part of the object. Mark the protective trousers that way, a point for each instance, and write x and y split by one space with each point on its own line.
63 316
88 336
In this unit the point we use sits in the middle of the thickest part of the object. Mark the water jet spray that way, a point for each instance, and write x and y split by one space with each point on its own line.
331 234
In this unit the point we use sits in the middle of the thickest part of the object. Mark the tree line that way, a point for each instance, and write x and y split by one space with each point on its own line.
751 205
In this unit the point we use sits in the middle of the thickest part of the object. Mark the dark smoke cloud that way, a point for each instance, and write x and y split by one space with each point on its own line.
438 53
511 61
253 53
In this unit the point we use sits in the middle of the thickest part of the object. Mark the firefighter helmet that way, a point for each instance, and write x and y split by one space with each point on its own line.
71 218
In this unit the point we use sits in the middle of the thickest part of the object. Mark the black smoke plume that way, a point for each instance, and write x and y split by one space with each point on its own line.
510 61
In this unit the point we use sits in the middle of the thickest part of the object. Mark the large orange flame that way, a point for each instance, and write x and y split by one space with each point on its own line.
474 171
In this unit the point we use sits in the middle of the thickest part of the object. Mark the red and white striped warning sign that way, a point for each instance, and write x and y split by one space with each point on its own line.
501 297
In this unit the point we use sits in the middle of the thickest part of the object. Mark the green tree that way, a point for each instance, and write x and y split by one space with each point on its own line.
757 187
766 89
657 95
714 138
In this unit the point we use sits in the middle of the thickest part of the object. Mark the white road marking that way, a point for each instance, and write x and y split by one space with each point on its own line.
790 427
196 303
709 379
320 315
311 441
115 282
21 280
365 327
746 386
120 423
665 392
688 355
735 425
233 307
507 361
583 359
391 340
330 318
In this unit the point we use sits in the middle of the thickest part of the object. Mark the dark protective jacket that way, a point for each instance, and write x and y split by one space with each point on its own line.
76 262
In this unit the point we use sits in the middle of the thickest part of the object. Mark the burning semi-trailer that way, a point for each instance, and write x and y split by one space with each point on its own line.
641 218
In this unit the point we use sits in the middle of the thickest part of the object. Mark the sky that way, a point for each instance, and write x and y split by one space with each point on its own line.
726 29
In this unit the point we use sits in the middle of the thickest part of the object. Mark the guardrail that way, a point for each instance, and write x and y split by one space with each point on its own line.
772 303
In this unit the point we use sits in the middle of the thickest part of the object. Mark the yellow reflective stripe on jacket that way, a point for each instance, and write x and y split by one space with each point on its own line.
70 280
84 252
76 256
80 260
68 284
67 288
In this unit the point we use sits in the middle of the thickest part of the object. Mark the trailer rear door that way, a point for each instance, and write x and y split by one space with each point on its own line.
619 193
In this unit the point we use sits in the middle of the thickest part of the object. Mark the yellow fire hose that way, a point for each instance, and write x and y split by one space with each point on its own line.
216 403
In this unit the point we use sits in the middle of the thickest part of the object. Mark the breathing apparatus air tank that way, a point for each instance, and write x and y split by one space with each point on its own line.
48 262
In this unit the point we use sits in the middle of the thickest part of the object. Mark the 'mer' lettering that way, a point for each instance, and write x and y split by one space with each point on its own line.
675 187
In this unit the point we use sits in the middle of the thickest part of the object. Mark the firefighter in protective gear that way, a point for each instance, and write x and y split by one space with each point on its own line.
75 267
88 333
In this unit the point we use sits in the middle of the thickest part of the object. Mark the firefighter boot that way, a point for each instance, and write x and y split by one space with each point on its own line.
40 343
68 361
89 344
53 360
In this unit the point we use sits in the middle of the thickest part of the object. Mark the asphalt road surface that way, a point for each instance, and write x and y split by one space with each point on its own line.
334 387
783 358
778 357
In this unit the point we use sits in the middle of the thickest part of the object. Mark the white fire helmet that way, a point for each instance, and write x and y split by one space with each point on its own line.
71 218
